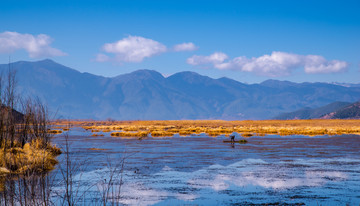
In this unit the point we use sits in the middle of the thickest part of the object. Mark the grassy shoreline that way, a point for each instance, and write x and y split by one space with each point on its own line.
162 128
34 156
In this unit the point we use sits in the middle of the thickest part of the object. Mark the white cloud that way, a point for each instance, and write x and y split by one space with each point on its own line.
185 47
132 49
102 58
36 46
215 59
318 64
276 64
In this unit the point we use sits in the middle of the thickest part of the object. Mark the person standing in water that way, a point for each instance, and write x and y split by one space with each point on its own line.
232 137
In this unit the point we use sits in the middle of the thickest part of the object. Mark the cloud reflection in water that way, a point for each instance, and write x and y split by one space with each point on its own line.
149 189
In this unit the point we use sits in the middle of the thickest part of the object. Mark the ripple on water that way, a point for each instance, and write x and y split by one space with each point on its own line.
291 170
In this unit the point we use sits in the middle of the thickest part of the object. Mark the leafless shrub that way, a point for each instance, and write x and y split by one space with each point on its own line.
72 191
109 187
24 179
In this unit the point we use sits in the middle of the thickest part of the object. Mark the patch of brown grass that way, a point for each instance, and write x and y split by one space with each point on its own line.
97 135
35 156
221 127
129 134
161 133
246 134
55 131
97 149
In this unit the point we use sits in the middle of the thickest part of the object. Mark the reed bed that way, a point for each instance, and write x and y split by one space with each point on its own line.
34 156
55 131
215 128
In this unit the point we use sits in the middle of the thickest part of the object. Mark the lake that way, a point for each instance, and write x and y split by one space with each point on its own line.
202 170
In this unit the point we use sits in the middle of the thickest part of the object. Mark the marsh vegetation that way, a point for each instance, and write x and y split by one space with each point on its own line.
213 128
26 152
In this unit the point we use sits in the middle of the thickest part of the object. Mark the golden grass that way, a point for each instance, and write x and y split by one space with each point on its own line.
54 131
246 134
97 149
129 134
34 156
161 133
220 127
97 135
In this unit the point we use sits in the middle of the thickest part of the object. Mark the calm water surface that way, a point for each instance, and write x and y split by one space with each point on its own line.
202 170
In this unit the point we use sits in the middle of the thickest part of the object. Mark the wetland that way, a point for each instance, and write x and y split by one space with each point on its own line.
200 169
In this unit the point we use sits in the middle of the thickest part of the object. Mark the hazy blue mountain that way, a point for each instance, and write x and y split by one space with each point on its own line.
351 111
146 94
313 113
67 92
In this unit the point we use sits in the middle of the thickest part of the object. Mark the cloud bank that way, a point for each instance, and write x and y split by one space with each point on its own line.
136 49
36 46
274 65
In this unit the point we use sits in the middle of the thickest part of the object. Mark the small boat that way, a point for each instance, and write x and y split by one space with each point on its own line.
243 141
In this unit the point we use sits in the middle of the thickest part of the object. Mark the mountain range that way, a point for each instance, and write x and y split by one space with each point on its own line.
313 113
148 95
351 111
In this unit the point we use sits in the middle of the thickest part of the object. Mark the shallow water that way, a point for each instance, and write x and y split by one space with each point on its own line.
202 170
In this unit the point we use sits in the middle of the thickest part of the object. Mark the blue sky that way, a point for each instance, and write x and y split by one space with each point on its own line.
249 41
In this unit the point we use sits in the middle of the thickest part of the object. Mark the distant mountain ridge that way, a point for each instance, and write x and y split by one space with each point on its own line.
148 95
313 113
335 110
351 111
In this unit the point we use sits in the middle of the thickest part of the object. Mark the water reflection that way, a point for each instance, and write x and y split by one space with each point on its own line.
200 170
249 177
